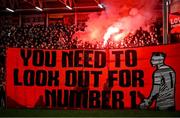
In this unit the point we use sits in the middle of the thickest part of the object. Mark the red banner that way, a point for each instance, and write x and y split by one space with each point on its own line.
144 78
175 23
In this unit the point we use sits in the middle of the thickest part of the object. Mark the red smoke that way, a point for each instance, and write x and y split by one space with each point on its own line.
117 20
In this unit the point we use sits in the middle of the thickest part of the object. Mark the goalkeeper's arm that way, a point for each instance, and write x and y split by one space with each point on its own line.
147 102
154 93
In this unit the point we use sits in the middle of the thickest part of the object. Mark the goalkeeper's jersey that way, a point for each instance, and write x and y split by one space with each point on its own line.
165 78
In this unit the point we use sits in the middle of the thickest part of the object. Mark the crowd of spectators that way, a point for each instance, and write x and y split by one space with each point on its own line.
54 36
59 36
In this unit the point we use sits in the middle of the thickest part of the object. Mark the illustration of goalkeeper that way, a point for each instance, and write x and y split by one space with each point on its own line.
163 89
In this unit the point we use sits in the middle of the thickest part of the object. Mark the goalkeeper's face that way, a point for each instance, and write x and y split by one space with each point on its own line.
157 60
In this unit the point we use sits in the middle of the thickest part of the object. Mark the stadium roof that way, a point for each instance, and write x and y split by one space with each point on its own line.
50 6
